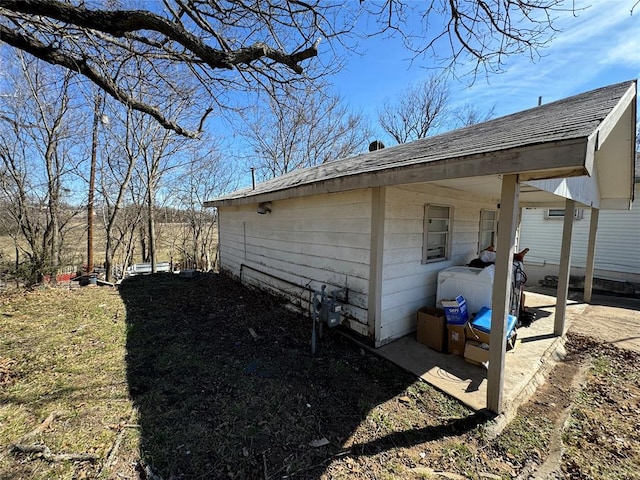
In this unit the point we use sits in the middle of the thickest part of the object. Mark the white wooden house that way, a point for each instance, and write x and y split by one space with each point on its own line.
383 224
616 256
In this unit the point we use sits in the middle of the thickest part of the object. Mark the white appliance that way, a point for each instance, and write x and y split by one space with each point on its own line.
474 284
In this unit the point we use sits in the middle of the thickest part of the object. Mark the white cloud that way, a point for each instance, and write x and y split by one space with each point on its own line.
599 47
626 51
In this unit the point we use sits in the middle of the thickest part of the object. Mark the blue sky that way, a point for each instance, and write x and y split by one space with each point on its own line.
599 47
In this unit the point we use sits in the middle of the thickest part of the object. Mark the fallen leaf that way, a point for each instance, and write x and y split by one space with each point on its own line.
320 442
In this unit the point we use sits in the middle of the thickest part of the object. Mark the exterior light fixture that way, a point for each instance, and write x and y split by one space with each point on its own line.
264 207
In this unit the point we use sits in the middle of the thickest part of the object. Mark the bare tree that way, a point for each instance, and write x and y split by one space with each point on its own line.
37 143
207 175
469 114
303 129
116 171
426 108
159 151
230 44
127 227
419 111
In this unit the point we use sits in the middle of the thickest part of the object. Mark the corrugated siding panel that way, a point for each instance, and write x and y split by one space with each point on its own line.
407 283
323 239
543 237
616 242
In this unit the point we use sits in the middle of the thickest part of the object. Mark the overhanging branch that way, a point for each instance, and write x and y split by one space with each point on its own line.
121 22
79 65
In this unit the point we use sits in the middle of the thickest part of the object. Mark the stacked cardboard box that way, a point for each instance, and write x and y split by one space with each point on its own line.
456 312
456 339
478 336
476 352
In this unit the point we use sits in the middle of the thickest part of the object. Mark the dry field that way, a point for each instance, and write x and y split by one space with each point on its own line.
170 240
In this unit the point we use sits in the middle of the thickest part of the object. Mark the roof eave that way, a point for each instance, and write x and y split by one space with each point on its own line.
568 159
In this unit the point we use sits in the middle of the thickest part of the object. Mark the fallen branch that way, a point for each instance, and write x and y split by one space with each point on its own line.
264 467
146 473
40 428
45 453
111 456
36 431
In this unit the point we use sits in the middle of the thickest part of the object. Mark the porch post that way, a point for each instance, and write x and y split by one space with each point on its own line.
501 298
374 297
565 268
591 255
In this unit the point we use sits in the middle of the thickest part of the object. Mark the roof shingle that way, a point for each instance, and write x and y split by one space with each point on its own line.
571 118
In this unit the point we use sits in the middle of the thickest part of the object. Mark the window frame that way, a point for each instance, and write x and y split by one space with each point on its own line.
426 232
481 230
578 214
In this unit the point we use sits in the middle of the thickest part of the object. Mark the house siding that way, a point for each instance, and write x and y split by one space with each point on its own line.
326 239
311 241
616 243
407 283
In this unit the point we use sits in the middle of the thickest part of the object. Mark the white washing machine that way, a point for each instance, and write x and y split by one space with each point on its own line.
474 284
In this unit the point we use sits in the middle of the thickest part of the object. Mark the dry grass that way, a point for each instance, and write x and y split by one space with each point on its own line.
66 350
166 375
602 435
170 239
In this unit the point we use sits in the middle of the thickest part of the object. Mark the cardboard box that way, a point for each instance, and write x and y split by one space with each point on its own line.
479 329
432 328
455 339
476 352
456 310
483 337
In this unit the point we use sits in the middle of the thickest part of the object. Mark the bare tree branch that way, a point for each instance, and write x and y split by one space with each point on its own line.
418 112
121 22
478 34
43 52
224 46
99 43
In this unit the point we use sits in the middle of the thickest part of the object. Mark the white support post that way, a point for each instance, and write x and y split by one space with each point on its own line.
565 269
501 299
378 199
591 255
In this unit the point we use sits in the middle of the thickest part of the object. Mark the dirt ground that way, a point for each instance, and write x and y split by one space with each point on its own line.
610 320
222 385
590 396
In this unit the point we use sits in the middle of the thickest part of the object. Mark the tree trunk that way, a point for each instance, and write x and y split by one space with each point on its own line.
144 253
92 183
55 249
15 242
108 256
152 228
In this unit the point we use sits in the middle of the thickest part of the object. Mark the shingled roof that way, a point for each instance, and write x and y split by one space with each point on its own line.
572 121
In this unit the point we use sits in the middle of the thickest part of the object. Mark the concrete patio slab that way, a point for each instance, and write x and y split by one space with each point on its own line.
526 365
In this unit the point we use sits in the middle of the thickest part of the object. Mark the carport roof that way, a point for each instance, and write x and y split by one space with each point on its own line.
555 140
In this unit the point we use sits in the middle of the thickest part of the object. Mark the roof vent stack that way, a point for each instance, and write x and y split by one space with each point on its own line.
376 145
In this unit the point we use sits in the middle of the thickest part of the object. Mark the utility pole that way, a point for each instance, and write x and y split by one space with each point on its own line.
92 182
